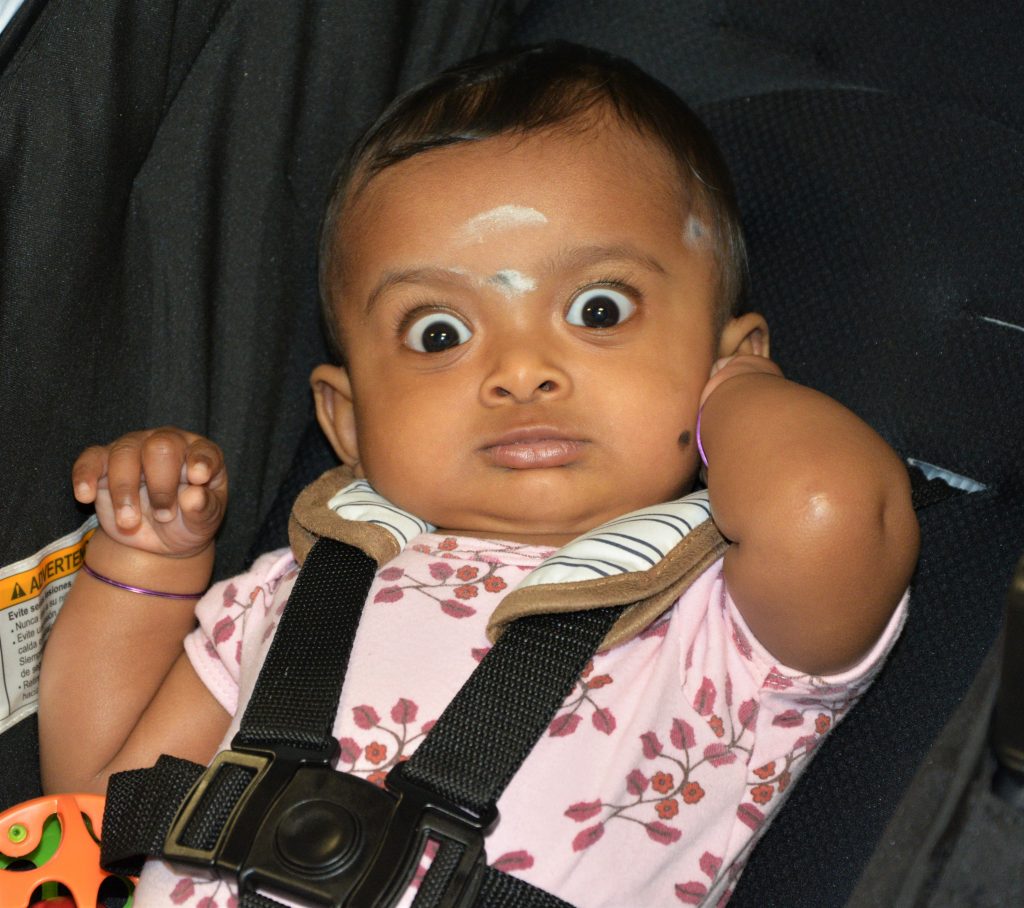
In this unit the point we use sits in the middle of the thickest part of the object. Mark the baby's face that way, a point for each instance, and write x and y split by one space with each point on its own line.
528 325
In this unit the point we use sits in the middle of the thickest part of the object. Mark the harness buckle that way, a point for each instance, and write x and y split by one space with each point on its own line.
284 822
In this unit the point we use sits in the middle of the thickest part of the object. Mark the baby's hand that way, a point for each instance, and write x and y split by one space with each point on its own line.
731 366
161 490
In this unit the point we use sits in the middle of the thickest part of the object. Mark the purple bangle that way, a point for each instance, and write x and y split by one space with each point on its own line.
700 445
137 589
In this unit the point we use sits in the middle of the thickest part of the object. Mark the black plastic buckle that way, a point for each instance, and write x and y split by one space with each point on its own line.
303 830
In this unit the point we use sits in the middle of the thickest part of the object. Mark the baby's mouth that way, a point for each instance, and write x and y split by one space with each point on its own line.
533 449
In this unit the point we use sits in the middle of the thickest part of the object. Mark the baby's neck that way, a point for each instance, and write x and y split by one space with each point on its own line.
553 540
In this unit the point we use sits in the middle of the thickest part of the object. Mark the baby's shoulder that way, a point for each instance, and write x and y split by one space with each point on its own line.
268 579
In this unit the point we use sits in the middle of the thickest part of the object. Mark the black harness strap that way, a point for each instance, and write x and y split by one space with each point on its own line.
496 718
296 695
455 776
502 890
494 721
141 806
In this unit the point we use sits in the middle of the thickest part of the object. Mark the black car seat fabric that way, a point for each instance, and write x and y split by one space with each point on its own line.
878 156
163 165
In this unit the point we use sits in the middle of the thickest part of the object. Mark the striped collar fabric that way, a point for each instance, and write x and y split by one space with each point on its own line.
635 542
358 501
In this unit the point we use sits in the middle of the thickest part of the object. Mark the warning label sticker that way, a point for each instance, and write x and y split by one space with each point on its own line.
31 594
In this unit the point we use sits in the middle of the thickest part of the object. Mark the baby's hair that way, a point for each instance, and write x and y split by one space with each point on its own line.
547 87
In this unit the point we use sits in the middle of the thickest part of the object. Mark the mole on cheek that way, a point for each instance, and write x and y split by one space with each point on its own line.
684 439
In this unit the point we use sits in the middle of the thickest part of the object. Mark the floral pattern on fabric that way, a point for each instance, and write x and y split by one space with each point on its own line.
453 588
652 782
392 743
676 768
203 894
584 701
235 610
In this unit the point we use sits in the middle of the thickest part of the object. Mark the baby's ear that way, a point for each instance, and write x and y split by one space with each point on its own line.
332 392
745 334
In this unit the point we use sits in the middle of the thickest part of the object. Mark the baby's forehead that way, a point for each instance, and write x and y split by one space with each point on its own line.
632 156
406 221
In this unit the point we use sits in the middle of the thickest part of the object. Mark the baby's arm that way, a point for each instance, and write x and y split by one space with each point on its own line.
818 509
116 689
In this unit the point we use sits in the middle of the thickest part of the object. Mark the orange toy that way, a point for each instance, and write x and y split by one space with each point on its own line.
49 849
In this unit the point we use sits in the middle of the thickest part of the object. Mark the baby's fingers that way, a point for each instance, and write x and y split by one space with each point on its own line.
163 463
89 469
739 364
203 500
202 510
123 480
204 464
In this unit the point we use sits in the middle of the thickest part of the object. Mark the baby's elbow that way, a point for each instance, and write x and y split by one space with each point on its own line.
889 532
901 533
868 524
868 540
819 582
57 778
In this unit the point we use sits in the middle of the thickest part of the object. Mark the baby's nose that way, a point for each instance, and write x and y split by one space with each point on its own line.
524 378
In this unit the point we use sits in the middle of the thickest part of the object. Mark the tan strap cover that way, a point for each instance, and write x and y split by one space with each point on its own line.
651 592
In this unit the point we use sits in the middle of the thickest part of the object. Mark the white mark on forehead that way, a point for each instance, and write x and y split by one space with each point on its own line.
504 217
511 283
695 233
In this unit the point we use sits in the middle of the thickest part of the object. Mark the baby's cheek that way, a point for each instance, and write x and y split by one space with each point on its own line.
668 463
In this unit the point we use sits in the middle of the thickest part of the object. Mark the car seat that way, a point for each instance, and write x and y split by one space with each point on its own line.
877 154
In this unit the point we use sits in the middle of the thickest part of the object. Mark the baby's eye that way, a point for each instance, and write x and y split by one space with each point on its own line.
436 332
600 307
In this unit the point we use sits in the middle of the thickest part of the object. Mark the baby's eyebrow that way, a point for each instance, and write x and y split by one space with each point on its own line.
416 275
577 257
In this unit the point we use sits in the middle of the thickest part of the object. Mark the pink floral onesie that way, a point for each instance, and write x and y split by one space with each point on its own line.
651 784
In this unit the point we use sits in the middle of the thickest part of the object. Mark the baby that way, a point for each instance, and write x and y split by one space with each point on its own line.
530 271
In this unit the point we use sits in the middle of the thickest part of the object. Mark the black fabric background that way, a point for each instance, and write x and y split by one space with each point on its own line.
163 167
